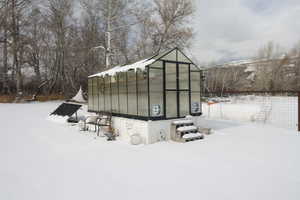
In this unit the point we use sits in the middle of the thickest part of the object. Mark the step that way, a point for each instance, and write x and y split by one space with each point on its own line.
182 122
187 128
192 136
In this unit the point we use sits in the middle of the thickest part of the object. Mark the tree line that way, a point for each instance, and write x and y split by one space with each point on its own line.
271 69
48 47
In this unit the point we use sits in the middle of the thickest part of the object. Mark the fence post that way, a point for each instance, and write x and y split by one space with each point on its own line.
299 111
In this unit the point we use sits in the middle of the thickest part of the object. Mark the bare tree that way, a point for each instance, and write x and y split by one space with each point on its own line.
170 31
16 7
12 24
163 25
46 46
59 12
113 21
34 34
4 41
295 56
271 69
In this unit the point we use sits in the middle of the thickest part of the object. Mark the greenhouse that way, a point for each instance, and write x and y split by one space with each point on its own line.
165 86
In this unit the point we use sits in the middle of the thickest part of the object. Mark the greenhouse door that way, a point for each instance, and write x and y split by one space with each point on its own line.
177 90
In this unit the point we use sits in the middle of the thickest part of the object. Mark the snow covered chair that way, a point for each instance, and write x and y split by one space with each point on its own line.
91 120
102 120
105 121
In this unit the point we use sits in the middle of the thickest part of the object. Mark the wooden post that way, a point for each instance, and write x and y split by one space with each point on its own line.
299 111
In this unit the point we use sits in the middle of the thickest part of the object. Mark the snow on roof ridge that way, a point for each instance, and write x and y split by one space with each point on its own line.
135 66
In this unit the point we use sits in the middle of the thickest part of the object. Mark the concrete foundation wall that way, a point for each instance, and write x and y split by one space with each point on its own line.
150 131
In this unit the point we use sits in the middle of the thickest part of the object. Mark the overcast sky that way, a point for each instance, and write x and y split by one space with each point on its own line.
234 29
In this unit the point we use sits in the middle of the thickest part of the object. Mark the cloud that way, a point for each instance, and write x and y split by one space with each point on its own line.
234 29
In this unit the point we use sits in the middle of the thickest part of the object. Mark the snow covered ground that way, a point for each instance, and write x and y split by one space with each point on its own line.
277 111
43 159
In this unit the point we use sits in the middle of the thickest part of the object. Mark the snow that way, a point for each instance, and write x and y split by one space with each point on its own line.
135 66
182 122
281 112
250 68
186 128
42 159
251 77
58 119
239 62
291 65
231 111
191 135
28 72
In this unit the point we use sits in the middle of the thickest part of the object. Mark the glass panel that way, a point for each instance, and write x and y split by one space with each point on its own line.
90 94
142 83
171 56
195 81
114 94
107 94
156 92
95 94
123 93
157 64
184 105
171 76
183 76
132 101
101 93
182 58
195 102
171 104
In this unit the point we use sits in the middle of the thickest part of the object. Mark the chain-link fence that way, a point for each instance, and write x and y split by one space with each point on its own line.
278 108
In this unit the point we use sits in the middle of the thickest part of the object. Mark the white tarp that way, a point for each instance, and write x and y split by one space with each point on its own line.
79 97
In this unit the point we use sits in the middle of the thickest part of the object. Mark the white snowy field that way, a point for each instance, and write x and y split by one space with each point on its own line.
280 111
42 159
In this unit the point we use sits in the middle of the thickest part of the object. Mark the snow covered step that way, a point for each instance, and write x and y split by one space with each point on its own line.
192 135
182 122
187 128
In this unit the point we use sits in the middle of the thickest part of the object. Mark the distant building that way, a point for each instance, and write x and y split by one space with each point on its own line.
262 74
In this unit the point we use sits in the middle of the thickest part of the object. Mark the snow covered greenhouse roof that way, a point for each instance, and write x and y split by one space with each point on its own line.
135 66
141 65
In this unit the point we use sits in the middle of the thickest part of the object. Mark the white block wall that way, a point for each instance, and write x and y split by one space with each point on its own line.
150 131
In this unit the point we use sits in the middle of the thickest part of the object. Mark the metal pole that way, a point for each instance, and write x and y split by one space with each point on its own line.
108 49
299 111
107 54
